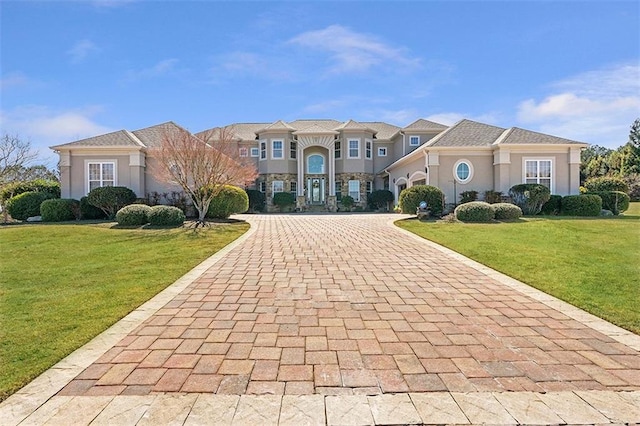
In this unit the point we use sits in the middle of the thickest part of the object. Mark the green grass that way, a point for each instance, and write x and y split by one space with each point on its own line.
593 264
61 285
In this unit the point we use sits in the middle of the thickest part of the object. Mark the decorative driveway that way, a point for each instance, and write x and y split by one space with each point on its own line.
330 310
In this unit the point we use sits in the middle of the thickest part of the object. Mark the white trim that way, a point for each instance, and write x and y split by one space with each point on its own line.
243 151
273 186
273 142
349 190
87 162
455 170
324 163
257 151
263 143
293 150
419 176
552 160
368 149
414 144
349 148
385 151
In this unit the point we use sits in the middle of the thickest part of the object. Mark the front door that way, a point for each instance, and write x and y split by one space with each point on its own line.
316 190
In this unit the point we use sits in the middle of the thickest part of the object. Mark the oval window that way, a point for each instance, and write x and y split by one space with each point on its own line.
463 171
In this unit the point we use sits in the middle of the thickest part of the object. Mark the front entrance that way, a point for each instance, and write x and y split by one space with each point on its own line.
315 190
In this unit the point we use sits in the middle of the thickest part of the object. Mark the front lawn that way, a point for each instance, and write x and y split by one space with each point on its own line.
61 285
593 264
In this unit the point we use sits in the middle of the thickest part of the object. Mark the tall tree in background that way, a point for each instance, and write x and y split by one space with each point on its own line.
201 165
15 155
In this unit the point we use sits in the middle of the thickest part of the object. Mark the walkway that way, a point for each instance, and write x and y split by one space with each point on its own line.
343 319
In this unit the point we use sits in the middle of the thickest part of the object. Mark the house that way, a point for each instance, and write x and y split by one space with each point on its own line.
319 161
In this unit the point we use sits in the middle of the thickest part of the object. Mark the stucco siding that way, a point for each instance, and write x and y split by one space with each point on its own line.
481 174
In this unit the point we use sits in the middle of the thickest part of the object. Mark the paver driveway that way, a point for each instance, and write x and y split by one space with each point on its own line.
350 305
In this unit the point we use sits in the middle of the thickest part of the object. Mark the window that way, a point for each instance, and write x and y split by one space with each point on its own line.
276 149
263 186
293 186
102 174
354 148
277 186
339 190
414 140
368 149
354 189
382 152
263 150
463 171
293 147
255 151
337 149
369 186
244 152
419 182
538 171
315 164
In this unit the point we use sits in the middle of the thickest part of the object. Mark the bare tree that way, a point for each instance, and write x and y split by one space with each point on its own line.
15 154
201 165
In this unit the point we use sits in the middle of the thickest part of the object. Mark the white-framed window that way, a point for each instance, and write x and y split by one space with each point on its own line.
244 152
277 186
382 152
255 151
354 189
463 171
315 164
293 150
539 171
338 190
369 186
368 149
276 149
354 148
101 173
263 150
414 140
338 150
262 185
293 187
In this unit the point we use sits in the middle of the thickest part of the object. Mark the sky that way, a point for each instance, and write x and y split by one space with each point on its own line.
75 69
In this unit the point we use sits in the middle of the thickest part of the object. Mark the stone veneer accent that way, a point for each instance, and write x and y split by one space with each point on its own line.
362 177
287 178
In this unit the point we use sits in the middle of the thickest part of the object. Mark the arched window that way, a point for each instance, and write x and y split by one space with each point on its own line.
315 164
463 171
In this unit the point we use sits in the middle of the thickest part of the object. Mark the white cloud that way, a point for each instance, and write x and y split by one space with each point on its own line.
350 51
241 63
595 107
81 50
163 67
13 79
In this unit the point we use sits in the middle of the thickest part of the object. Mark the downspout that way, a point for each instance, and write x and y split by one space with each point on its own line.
404 149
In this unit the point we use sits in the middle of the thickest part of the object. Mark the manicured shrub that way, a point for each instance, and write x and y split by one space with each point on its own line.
257 200
468 196
506 211
530 197
60 210
410 199
474 211
27 204
284 200
615 201
552 207
347 202
38 185
606 183
165 216
110 199
230 200
380 199
633 182
492 197
581 205
89 212
133 215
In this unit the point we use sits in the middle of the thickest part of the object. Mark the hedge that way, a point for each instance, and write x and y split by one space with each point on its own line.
552 207
166 216
606 183
492 197
380 199
27 204
110 199
88 211
133 215
615 201
38 185
581 205
230 200
410 199
257 200
530 197
474 211
284 200
468 196
506 211
60 210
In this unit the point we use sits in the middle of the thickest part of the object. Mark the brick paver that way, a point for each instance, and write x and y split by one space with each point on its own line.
337 304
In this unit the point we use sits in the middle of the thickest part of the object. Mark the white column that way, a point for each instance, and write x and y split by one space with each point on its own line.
332 171
300 169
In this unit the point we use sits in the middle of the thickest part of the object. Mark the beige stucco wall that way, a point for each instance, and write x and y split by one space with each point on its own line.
78 178
482 174
560 171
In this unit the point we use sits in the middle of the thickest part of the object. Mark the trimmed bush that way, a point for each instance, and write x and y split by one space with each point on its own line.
88 211
633 181
492 197
284 200
133 215
474 211
230 200
110 199
581 205
38 185
27 204
380 199
468 196
506 211
615 201
530 197
606 183
257 200
60 210
347 202
552 207
410 199
165 216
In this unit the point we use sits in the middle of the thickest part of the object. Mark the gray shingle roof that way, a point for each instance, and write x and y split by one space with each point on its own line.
384 130
118 138
422 124
324 123
315 128
354 125
152 136
516 136
467 133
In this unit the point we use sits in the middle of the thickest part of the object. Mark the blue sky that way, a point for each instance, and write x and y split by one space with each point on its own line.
75 69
